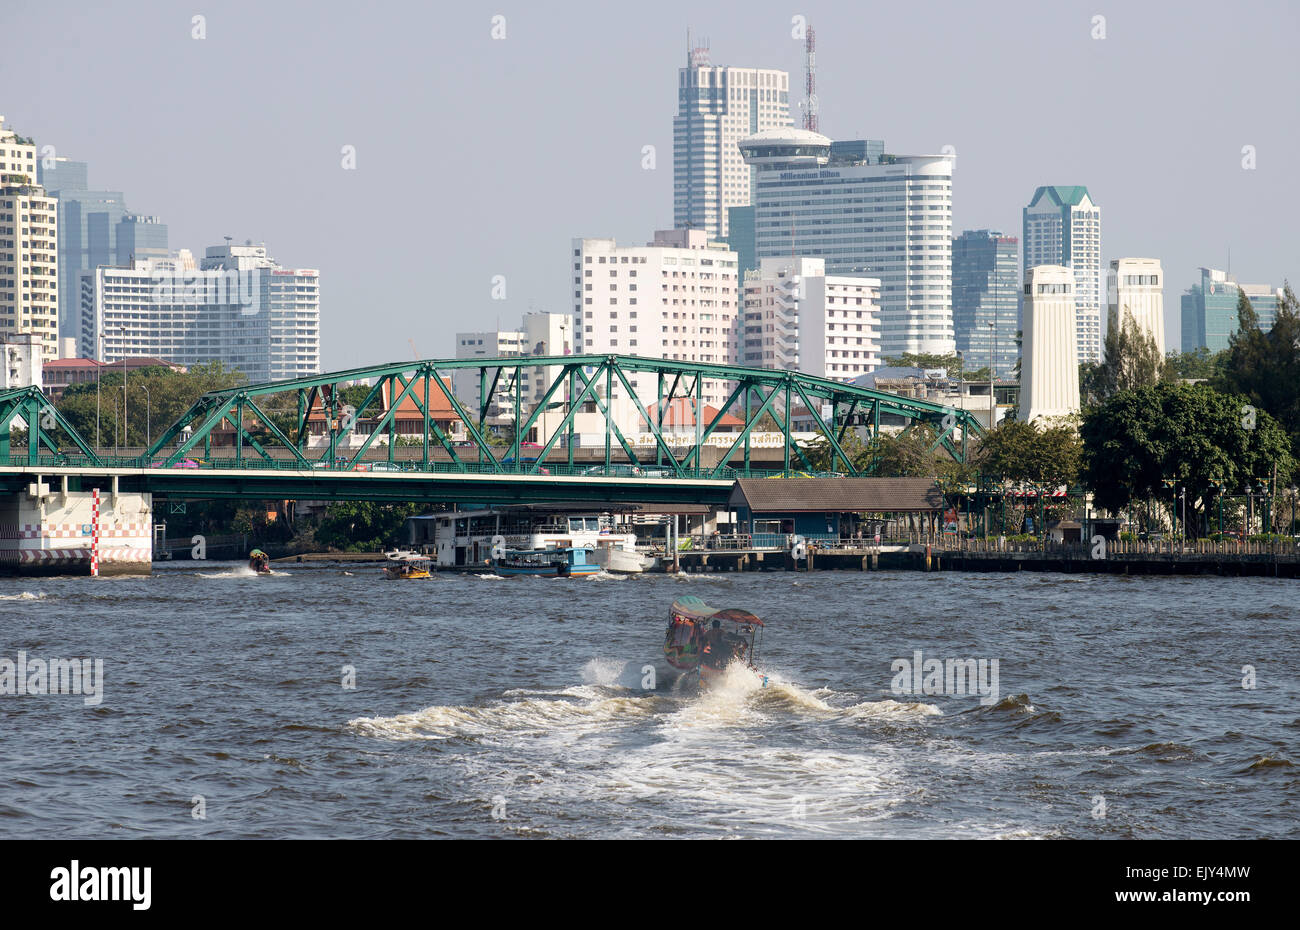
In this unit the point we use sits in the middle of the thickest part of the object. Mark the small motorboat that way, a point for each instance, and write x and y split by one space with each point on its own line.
259 562
708 639
407 565
570 562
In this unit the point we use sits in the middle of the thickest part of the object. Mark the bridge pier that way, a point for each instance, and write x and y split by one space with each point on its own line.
46 529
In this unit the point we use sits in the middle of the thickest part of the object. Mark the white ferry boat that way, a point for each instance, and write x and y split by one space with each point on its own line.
464 538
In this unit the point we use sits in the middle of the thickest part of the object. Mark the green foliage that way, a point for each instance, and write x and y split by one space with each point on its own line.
1199 364
361 526
1022 452
1188 433
908 454
1130 360
158 394
949 363
354 395
1265 367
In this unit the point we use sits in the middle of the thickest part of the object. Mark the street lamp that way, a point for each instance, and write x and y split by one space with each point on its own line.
961 380
125 420
148 417
993 373
1182 537
99 365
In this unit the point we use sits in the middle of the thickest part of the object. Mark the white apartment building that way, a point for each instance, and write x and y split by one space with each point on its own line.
240 308
798 318
1049 377
1062 226
21 356
1135 286
717 107
29 247
674 298
539 333
890 220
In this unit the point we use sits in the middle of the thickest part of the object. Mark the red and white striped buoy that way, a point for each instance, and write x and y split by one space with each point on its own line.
94 532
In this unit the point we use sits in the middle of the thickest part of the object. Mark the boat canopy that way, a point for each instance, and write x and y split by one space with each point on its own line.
693 608
400 556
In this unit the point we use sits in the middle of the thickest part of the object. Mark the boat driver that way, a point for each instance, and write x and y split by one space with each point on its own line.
715 653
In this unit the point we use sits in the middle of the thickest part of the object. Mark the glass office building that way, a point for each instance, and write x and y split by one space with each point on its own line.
89 226
1209 309
986 299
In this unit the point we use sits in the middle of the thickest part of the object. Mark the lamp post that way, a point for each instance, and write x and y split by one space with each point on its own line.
1294 492
125 420
1182 537
993 374
99 365
961 380
148 416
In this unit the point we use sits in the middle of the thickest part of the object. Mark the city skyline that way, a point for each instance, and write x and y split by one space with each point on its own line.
258 165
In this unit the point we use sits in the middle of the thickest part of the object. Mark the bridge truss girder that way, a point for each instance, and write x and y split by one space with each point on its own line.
43 422
578 380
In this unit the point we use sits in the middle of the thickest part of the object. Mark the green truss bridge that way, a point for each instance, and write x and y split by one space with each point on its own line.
412 439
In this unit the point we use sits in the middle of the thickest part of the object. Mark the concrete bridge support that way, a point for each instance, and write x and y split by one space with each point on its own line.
47 529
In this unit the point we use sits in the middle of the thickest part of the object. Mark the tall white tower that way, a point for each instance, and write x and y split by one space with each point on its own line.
1049 368
716 108
29 293
1135 287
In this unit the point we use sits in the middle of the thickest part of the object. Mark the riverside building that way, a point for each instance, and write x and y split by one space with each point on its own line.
864 214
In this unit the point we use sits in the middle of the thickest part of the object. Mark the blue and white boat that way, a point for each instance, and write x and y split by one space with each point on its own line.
569 562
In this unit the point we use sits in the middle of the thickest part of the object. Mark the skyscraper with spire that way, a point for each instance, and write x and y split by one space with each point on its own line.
717 106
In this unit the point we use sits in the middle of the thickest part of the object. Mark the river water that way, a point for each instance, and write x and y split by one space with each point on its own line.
489 707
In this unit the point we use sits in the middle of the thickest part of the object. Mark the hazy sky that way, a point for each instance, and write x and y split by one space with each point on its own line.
478 157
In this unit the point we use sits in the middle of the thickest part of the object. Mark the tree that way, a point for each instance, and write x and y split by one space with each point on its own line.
1197 364
1023 452
1188 433
1130 360
926 362
1265 367
155 399
909 454
359 526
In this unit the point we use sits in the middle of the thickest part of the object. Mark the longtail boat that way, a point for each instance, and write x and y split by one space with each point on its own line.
709 639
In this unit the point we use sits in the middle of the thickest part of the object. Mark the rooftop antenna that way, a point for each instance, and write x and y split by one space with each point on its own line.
810 83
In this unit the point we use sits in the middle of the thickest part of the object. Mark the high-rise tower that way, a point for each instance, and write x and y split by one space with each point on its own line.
1062 226
716 108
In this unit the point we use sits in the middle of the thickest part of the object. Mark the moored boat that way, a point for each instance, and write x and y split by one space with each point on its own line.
568 562
709 639
407 565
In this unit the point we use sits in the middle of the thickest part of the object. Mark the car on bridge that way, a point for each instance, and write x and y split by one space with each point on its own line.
525 460
619 470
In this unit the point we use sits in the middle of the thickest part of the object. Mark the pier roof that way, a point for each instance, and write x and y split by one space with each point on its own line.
836 495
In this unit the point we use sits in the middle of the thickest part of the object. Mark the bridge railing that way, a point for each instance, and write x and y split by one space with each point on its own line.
18 458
